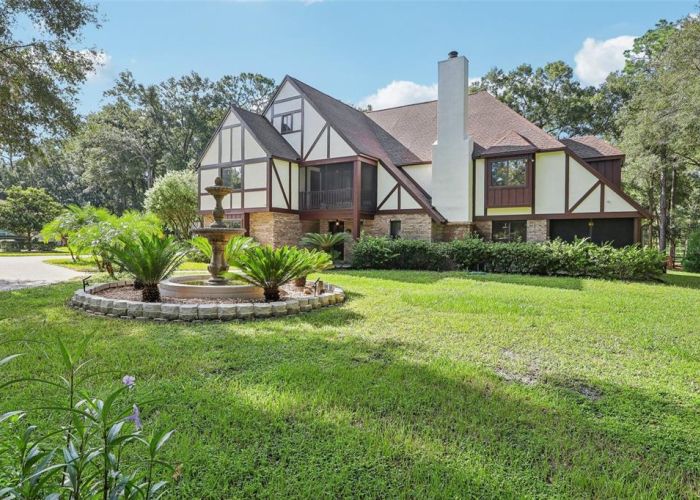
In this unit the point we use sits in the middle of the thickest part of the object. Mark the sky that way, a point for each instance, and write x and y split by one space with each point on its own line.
382 53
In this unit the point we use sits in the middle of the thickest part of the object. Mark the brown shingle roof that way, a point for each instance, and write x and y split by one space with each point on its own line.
270 140
489 122
590 146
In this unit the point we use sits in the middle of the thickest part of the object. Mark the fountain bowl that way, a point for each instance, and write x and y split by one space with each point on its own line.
196 286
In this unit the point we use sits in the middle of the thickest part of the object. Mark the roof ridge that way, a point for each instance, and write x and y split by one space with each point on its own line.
401 106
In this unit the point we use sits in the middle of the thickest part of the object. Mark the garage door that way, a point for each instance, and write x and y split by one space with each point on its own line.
619 232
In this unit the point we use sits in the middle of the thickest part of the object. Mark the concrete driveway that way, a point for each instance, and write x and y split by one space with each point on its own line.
24 272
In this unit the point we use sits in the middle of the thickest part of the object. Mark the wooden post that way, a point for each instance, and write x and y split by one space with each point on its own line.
356 197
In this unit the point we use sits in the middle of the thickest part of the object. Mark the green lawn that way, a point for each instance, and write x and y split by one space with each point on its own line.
421 385
88 265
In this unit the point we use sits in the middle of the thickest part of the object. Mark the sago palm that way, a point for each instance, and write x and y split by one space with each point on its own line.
326 242
270 268
234 247
150 259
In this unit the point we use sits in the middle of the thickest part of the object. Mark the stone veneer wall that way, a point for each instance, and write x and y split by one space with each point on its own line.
449 232
413 226
276 229
157 311
484 229
537 230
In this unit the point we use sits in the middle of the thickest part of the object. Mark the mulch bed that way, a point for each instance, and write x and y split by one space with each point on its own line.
287 292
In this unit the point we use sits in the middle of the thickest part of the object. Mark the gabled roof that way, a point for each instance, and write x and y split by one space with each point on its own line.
590 146
511 143
488 122
365 137
266 135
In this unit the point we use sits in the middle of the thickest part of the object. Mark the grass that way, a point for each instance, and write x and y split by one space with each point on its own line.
88 265
36 253
422 385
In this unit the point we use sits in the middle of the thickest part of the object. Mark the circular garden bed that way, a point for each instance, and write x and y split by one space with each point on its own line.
112 299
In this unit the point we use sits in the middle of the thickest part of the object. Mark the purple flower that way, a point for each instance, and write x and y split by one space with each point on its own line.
129 381
135 417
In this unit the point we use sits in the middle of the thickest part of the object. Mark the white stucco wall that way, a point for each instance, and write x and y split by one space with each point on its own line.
252 148
615 203
256 199
422 174
313 123
580 181
279 192
207 177
339 148
255 177
591 203
479 187
550 182
286 91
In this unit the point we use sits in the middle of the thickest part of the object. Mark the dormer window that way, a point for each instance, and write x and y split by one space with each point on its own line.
287 123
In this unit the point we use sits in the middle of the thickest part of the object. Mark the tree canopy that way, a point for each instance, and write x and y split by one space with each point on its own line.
25 211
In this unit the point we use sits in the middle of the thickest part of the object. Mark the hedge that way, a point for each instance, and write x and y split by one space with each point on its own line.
691 261
580 258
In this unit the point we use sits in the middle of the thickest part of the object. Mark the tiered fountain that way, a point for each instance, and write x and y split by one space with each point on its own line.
215 285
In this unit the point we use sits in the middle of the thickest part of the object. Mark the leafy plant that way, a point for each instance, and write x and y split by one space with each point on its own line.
234 247
85 457
325 242
174 199
691 261
270 268
25 211
150 259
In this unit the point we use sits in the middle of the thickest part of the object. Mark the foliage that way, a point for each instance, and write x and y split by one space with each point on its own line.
234 247
174 199
549 96
41 72
97 437
104 231
66 225
325 242
25 211
580 258
270 268
149 259
691 261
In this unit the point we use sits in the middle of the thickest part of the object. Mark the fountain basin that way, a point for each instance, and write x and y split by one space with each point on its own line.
183 287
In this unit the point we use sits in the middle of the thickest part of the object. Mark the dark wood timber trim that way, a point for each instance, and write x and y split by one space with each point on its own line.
398 198
269 184
474 188
289 178
402 211
329 161
279 182
356 198
642 211
582 215
585 195
236 163
246 223
328 142
391 191
602 197
637 230
534 183
315 141
566 183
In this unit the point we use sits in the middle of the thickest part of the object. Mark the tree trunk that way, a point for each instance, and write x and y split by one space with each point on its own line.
150 293
272 294
29 241
663 212
138 284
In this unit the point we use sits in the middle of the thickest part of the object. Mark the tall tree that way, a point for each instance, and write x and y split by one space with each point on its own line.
25 211
184 111
549 96
661 122
40 72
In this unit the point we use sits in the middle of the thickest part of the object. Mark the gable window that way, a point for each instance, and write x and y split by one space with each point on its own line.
394 229
287 123
510 172
232 177
509 231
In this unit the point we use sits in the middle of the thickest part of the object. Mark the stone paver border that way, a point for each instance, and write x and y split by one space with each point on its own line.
129 309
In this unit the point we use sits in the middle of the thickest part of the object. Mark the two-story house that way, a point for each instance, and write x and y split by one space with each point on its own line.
436 170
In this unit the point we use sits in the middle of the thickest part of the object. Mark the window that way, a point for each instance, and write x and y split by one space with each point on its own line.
395 229
232 177
507 231
287 123
509 173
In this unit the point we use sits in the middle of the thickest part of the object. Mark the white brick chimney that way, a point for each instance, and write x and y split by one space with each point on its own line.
452 175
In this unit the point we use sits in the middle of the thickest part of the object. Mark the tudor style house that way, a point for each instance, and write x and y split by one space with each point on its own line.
436 170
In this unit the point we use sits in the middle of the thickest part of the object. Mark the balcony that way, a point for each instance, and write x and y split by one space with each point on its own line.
331 199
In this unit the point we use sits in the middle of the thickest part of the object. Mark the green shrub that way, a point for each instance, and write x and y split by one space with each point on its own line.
691 261
580 258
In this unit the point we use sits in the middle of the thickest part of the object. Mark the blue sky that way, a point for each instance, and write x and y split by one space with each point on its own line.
355 50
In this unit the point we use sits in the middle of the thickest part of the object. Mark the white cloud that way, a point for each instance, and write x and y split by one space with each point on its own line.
102 62
598 58
398 93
